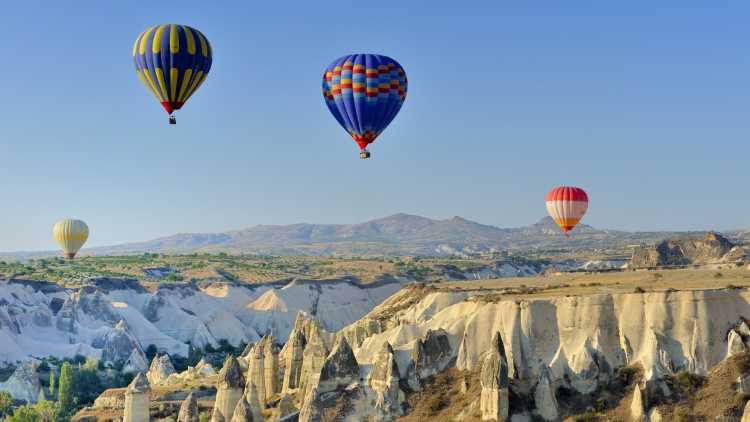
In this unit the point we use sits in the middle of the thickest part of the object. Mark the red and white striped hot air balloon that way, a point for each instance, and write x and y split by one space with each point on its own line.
567 205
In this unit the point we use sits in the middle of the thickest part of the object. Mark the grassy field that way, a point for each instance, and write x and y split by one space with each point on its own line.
562 284
249 269
253 269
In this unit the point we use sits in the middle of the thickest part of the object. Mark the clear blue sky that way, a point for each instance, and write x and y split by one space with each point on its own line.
644 104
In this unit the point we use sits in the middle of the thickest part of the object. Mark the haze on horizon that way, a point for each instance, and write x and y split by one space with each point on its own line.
643 105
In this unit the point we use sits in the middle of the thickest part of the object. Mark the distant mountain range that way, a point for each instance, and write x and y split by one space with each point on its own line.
399 234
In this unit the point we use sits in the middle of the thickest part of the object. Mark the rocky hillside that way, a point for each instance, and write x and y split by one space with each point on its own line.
444 355
399 234
708 248
116 319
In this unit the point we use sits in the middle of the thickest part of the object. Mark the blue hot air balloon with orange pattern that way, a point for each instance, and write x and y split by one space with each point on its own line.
172 61
364 92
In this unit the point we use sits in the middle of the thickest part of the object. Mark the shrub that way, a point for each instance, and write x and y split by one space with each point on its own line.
225 347
639 289
6 403
626 374
86 385
589 416
436 403
688 383
718 275
48 411
151 352
23 413
658 275
682 415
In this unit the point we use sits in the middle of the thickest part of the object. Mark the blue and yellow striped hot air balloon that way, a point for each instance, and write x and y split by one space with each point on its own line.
364 92
172 61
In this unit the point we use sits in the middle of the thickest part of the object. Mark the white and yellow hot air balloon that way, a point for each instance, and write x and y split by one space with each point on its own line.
70 235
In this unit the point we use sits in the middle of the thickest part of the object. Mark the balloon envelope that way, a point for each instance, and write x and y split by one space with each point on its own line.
70 235
364 92
172 61
567 205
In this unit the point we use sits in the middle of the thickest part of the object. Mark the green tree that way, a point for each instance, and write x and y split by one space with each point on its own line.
6 403
86 385
52 383
24 413
194 355
48 411
65 390
225 347
151 352
41 396
43 367
91 364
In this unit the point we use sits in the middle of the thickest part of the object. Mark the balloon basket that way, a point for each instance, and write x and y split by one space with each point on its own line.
172 120
364 154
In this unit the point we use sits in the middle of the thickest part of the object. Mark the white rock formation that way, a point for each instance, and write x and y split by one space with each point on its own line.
293 357
136 362
494 403
577 342
746 413
249 407
229 390
656 415
361 329
160 370
63 323
735 345
285 407
137 402
584 369
339 369
430 355
271 375
743 384
255 368
336 304
204 369
743 329
310 410
638 406
188 410
384 381
544 396
263 368
253 402
659 330
243 412
24 383
313 358
118 345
